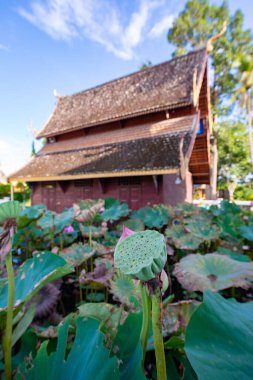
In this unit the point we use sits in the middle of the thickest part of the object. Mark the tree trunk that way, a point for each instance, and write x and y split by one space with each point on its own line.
231 190
248 104
214 151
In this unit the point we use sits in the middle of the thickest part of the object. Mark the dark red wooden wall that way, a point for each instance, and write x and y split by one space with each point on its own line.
136 191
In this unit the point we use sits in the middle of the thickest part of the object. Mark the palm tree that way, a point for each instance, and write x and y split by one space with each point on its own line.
245 71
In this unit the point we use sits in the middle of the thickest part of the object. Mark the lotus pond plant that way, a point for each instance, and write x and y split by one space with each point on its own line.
84 295
142 255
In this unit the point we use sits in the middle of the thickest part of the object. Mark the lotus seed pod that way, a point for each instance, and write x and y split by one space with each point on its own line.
141 255
9 210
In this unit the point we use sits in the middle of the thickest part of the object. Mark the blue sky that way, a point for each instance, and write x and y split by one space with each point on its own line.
71 45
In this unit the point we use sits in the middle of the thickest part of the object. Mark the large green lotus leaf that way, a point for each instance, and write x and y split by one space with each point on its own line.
153 217
77 253
35 273
109 202
9 210
66 238
235 255
181 239
30 214
219 339
28 234
124 289
203 230
88 358
115 212
186 208
52 222
212 271
247 232
128 349
109 316
187 242
230 227
175 232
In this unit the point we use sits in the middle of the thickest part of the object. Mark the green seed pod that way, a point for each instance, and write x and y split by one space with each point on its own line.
9 210
141 255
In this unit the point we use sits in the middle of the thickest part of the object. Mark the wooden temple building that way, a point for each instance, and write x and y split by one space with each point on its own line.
142 138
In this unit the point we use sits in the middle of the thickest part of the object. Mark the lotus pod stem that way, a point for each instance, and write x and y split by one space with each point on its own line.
146 317
157 335
9 319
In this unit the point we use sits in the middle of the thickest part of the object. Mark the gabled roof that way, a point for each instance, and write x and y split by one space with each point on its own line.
161 87
152 149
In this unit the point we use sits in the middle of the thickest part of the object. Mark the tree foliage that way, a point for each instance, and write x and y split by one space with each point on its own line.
196 24
231 79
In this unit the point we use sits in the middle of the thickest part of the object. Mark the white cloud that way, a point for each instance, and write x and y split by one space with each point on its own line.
162 26
99 20
13 154
3 47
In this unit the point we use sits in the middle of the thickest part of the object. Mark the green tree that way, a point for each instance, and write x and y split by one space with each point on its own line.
33 152
244 92
199 22
234 160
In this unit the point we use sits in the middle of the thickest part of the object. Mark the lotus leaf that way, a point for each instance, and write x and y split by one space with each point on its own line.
230 228
219 339
123 288
188 242
141 255
43 268
66 238
115 212
153 217
95 232
134 225
88 358
175 232
128 349
109 316
52 222
101 275
247 232
88 210
9 210
186 208
109 202
235 255
212 271
29 215
77 254
177 315
203 230
181 239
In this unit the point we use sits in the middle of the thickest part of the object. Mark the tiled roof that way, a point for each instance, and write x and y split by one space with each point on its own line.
153 148
165 86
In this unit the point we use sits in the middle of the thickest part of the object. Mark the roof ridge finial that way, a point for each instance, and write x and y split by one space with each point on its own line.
57 95
209 45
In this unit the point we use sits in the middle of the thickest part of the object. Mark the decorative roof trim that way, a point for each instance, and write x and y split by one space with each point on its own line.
112 120
94 175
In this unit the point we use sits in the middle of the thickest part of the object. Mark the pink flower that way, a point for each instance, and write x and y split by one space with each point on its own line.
102 209
125 233
68 229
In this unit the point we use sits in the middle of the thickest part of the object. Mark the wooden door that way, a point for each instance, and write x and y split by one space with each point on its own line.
130 191
49 195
